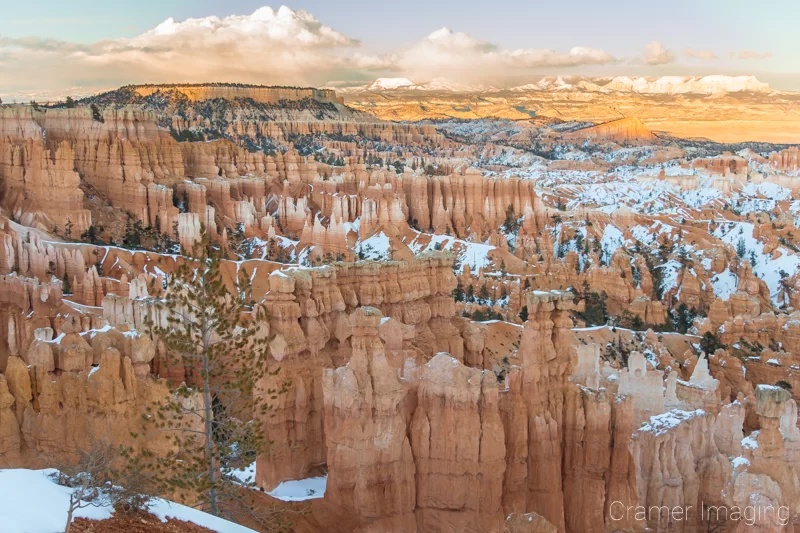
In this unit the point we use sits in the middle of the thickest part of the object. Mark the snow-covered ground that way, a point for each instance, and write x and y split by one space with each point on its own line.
768 267
474 254
301 489
376 247
611 241
31 502
725 284
296 490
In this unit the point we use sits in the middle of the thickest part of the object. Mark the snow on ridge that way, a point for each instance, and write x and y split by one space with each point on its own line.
31 502
660 424
389 83
710 85
683 85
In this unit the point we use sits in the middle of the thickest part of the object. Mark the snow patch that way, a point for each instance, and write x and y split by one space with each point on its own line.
725 284
301 489
376 247
660 424
31 502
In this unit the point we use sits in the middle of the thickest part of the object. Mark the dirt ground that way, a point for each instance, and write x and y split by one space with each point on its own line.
135 523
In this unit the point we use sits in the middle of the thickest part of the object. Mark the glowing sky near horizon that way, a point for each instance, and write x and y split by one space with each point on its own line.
59 44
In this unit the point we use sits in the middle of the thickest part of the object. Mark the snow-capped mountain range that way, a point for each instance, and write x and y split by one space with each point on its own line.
680 84
405 84
711 85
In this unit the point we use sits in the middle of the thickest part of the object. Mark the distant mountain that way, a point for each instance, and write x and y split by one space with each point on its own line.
683 85
389 83
405 84
663 85
709 85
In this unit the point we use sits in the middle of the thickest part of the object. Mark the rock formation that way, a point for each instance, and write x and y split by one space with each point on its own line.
531 325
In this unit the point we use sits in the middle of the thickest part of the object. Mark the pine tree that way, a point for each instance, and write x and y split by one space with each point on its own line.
785 288
216 422
97 115
470 293
66 288
741 248
523 313
710 343
458 292
91 235
483 293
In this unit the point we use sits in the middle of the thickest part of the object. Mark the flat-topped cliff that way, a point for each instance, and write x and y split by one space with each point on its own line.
259 93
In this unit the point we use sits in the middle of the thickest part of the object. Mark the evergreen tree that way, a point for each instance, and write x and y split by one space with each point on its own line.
92 234
66 288
683 318
458 292
523 313
710 343
595 311
785 288
511 224
216 423
470 293
479 315
97 115
483 293
741 248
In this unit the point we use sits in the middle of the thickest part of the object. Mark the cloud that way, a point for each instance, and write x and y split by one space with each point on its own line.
656 54
706 55
461 57
269 46
38 44
749 54
283 46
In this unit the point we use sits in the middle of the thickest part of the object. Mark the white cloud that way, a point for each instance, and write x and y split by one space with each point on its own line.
285 47
657 54
461 57
269 46
706 55
750 54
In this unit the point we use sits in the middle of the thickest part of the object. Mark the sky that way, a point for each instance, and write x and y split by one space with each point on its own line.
62 46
